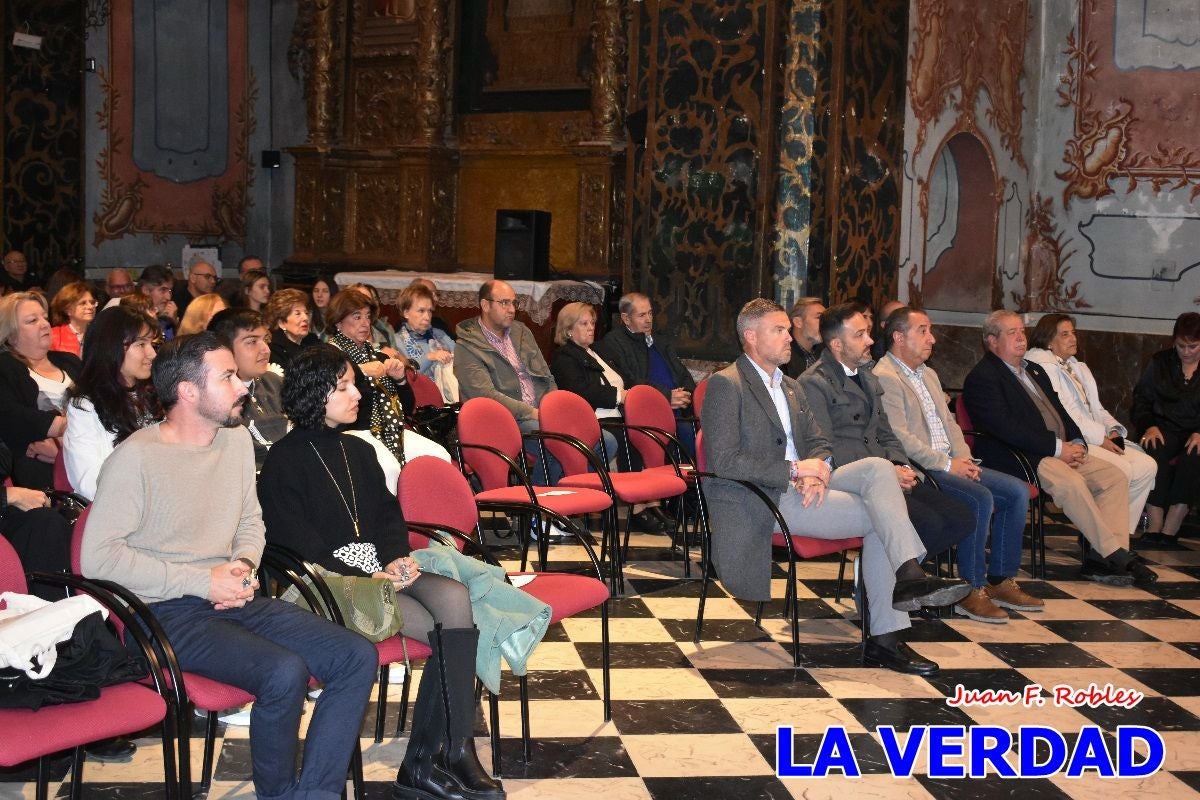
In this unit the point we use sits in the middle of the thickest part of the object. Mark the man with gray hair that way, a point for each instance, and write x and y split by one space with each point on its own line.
758 428
641 356
1013 400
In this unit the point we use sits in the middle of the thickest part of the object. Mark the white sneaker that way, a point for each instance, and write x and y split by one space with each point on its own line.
230 716
557 533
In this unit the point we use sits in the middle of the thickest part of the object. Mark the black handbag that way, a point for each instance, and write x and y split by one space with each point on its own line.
90 660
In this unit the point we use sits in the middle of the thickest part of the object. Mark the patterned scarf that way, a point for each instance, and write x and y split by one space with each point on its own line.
409 338
387 415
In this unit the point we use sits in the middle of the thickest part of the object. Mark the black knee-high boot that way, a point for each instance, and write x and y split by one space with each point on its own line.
417 779
458 762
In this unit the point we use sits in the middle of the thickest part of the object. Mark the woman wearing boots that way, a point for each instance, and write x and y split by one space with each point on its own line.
324 496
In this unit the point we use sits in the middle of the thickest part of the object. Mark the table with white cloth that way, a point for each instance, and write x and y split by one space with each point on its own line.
461 290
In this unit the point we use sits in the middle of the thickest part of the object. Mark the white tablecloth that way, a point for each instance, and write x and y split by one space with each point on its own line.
461 289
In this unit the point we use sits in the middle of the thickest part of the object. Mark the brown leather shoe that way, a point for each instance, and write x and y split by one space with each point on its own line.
1008 594
980 608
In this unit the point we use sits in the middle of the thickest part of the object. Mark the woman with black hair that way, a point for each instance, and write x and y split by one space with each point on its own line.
113 396
1166 414
324 496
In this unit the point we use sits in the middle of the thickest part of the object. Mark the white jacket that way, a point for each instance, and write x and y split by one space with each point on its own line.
1095 425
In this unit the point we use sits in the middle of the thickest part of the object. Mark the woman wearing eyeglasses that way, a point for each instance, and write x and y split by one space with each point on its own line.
72 310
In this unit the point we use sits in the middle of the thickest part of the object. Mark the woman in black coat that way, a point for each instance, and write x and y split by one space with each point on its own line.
33 388
324 495
577 368
1166 414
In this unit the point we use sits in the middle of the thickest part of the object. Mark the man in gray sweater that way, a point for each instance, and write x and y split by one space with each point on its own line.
176 520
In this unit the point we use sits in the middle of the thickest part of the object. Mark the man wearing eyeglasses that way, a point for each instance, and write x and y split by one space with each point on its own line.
17 275
498 357
117 284
201 280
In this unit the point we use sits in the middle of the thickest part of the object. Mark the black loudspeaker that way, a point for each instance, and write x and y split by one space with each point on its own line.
522 245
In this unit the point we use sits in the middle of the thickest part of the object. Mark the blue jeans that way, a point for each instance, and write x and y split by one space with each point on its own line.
1009 497
270 648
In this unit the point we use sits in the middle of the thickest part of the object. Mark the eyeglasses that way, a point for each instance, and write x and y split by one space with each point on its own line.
506 302
88 303
207 275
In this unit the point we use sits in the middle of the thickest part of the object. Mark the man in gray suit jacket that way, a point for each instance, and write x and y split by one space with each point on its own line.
758 428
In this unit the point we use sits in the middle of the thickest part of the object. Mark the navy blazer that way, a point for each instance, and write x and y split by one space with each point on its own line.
999 405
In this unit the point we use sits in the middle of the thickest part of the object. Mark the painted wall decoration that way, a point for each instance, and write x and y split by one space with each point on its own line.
700 178
1132 87
166 167
960 47
1045 253
42 134
866 148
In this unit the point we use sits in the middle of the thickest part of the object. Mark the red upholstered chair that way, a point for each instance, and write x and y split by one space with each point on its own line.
492 447
190 689
800 546
61 482
570 431
434 494
650 424
1037 495
698 397
425 391
120 710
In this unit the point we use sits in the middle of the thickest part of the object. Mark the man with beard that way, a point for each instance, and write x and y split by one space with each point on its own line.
176 520
243 332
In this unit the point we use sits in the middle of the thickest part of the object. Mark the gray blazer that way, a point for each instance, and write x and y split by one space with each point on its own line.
854 416
744 439
907 418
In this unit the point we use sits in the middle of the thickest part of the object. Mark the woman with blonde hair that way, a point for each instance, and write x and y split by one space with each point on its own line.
71 311
199 312
34 380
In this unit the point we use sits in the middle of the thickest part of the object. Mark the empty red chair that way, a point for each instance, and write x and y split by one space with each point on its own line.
433 492
492 447
121 710
570 432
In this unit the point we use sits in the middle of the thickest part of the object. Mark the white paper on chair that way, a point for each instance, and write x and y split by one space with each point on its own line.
555 493
521 580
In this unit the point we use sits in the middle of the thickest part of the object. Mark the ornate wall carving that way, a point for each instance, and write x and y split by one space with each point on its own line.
967 46
700 182
320 210
384 104
608 61
866 147
43 204
1127 118
378 210
1044 257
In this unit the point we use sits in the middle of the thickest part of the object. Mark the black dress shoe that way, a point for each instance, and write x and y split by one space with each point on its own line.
647 522
668 522
901 659
928 591
111 751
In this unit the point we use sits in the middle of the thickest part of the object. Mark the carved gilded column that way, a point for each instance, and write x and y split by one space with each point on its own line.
323 58
608 49
433 37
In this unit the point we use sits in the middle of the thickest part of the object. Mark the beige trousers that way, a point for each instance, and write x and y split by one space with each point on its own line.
1094 496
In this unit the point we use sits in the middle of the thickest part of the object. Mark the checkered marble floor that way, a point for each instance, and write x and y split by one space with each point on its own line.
698 720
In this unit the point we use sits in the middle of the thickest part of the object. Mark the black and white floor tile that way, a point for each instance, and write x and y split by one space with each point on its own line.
699 720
